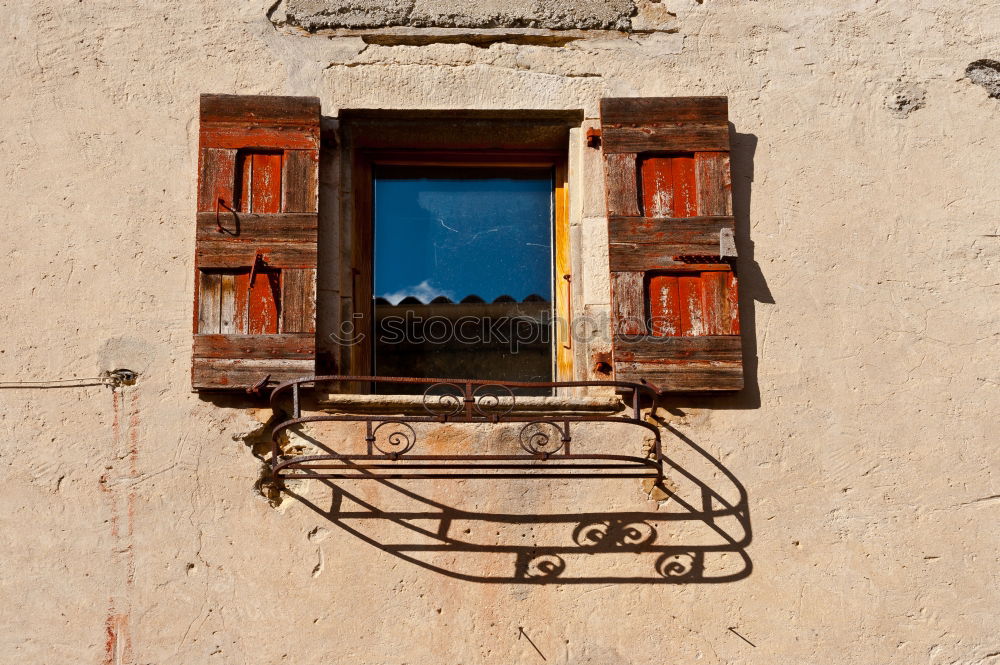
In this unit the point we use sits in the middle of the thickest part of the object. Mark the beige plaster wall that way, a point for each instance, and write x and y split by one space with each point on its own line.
863 454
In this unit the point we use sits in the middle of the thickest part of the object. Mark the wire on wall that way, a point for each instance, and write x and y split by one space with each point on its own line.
115 379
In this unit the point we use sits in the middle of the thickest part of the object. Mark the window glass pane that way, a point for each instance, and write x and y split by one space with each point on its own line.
463 272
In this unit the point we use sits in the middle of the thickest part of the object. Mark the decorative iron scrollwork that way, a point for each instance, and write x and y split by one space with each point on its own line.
543 437
396 441
443 399
494 400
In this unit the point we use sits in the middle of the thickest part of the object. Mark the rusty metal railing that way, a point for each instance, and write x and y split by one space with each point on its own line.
389 449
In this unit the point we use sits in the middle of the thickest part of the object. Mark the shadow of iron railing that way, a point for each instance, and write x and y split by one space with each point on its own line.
699 535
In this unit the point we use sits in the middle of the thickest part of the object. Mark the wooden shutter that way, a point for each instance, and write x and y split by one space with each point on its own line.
255 253
675 317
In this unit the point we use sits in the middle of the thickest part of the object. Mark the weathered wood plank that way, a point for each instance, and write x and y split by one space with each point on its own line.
681 377
263 302
288 346
692 304
732 311
633 257
685 199
244 181
228 254
259 176
227 304
217 373
665 350
257 305
259 109
713 303
664 306
291 300
216 179
265 183
275 138
714 184
705 363
656 184
652 110
668 186
702 232
690 295
682 137
241 300
301 181
298 304
248 227
621 185
628 311
209 303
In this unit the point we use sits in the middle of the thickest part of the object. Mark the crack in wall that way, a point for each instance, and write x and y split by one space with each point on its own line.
478 39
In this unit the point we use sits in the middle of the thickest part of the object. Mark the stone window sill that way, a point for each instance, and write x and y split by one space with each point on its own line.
606 404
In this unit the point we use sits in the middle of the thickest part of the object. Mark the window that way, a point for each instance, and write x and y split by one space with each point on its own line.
460 261
463 273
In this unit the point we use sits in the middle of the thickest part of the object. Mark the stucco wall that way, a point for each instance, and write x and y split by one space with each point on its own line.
863 451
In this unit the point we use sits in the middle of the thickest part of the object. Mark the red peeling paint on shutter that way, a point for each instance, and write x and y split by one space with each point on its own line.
256 237
675 316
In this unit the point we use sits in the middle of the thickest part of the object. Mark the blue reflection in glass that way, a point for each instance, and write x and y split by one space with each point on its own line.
456 232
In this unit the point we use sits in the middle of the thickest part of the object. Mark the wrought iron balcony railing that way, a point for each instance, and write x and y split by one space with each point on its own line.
391 449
